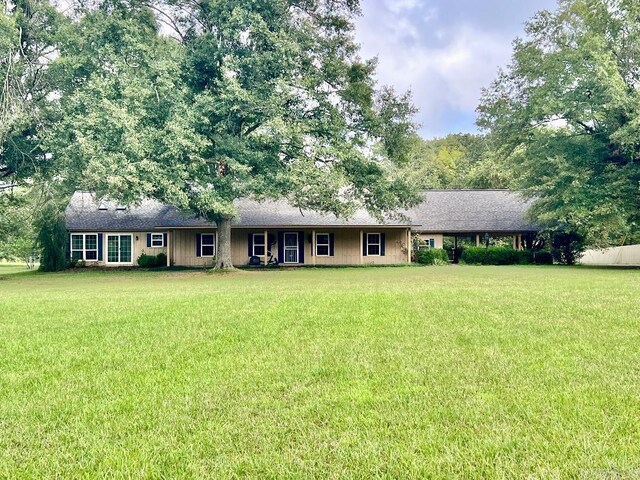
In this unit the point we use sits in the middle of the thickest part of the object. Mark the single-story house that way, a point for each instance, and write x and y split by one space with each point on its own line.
105 233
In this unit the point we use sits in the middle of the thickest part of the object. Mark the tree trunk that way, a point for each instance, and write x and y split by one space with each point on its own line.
223 254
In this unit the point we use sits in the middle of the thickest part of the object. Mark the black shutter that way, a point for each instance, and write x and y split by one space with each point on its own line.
300 247
364 244
148 240
331 244
68 250
382 242
250 245
281 247
164 239
198 244
100 247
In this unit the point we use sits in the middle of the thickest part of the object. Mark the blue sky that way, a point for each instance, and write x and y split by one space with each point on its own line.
445 51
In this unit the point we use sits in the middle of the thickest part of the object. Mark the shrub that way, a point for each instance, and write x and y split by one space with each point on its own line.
542 258
161 260
148 261
490 256
432 256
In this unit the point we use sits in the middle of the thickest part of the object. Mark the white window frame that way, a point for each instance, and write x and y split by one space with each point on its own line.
263 245
84 248
153 239
429 243
328 245
378 243
106 246
202 245
291 248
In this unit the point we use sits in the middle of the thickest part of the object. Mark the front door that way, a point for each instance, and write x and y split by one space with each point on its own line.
291 247
119 249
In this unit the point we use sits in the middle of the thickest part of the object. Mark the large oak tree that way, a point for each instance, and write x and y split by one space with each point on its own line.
246 99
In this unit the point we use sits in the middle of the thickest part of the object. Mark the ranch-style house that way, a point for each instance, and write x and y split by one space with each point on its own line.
107 234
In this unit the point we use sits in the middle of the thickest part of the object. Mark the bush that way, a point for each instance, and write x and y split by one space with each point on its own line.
432 256
490 256
505 256
543 258
161 260
148 261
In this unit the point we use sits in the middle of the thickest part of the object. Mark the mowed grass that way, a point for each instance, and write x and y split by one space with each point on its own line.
443 372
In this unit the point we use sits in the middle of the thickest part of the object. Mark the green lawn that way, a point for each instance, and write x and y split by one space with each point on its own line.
469 372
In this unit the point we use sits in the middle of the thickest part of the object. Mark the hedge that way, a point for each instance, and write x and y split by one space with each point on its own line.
504 256
432 256
152 261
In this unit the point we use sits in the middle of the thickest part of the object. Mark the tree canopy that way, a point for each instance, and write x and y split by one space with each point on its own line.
566 117
261 99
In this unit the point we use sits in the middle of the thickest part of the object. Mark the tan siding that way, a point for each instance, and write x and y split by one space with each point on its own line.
438 237
183 249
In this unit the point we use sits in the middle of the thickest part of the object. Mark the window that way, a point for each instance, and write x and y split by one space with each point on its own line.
208 245
157 240
119 248
373 244
259 246
322 244
84 246
429 243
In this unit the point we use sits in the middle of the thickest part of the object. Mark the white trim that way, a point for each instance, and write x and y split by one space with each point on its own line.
290 247
84 248
106 247
328 245
202 244
378 243
263 245
162 245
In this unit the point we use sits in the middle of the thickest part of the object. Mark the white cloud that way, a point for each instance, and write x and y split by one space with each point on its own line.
445 67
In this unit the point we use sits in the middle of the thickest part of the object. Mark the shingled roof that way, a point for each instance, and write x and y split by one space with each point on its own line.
449 211
466 211
84 214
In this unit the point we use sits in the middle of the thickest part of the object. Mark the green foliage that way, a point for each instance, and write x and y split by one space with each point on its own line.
52 238
490 256
432 256
17 235
566 247
454 161
565 114
152 261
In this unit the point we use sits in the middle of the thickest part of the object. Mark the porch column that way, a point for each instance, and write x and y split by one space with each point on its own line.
409 245
520 242
266 247
168 246
361 257
515 242
313 247
477 239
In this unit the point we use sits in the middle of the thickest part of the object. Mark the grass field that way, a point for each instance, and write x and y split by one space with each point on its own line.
469 372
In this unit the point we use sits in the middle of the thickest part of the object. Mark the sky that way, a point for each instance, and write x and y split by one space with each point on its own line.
445 51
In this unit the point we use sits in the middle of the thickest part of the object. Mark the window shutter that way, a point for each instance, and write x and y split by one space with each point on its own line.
164 239
364 244
280 247
382 244
331 244
250 245
148 240
68 252
300 247
198 244
100 247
